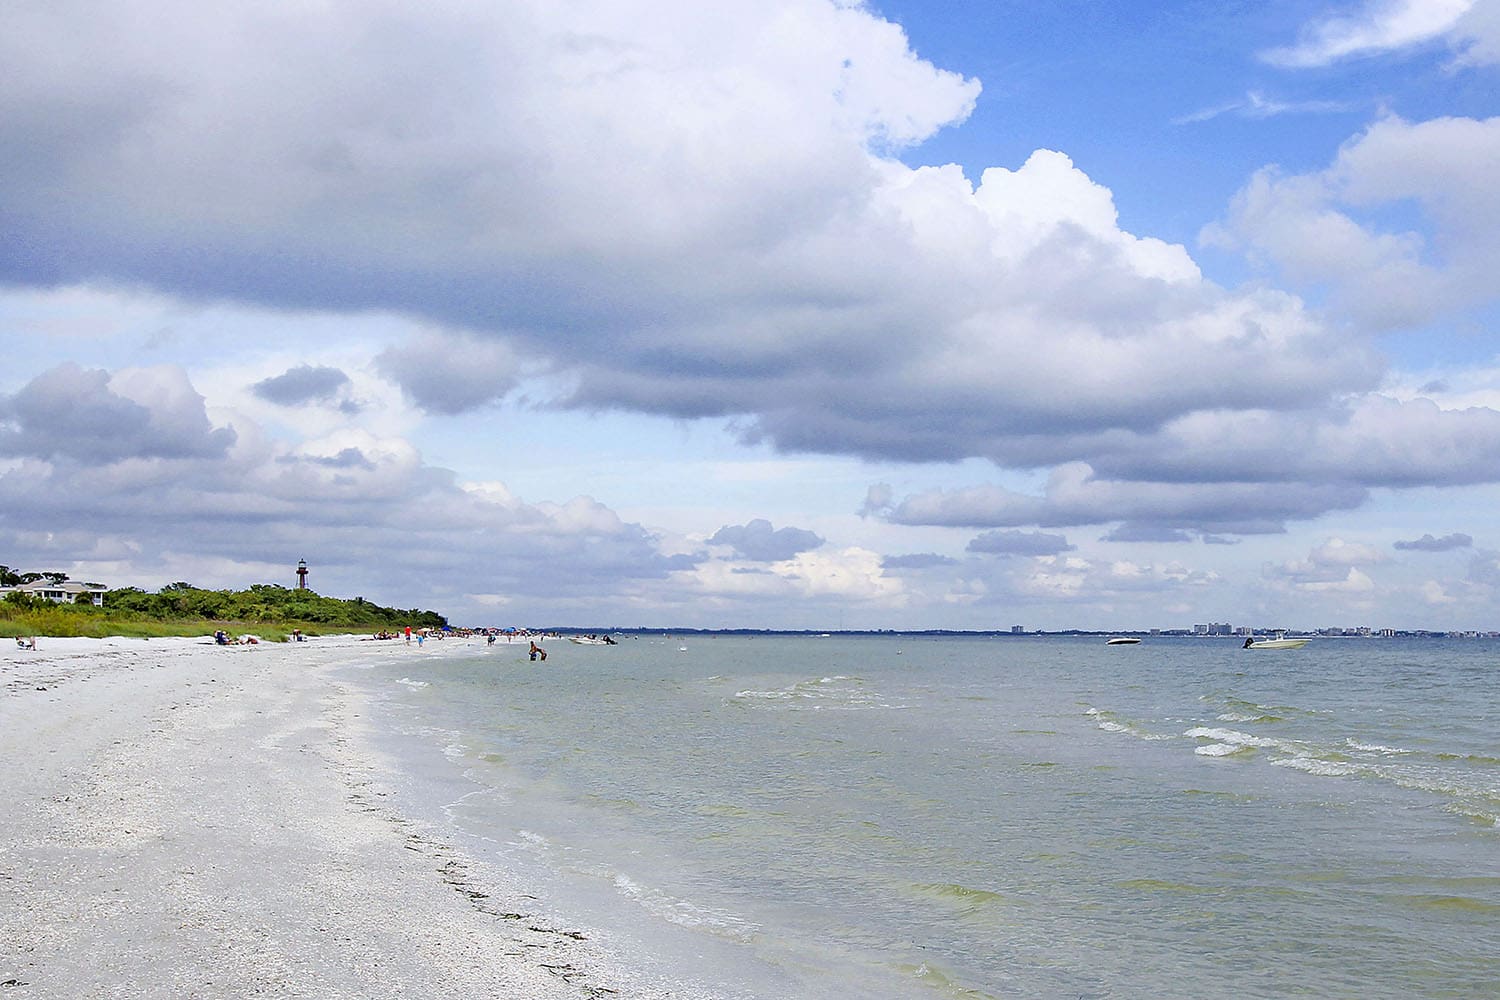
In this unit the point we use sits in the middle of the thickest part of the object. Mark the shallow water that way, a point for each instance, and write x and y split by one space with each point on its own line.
986 817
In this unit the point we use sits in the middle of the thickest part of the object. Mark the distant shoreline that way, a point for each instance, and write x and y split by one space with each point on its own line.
566 630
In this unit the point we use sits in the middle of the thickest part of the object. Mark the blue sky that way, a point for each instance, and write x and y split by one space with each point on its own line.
789 314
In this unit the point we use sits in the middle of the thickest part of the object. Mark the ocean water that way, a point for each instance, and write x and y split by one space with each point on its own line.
893 817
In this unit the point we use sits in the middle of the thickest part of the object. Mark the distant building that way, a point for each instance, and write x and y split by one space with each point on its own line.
60 593
1016 630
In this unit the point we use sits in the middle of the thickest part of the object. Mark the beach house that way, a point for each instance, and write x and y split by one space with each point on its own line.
60 593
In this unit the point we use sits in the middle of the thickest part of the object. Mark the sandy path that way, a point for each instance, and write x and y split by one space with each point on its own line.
181 820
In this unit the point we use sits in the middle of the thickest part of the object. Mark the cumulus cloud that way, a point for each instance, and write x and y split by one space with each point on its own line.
89 415
700 213
1063 577
673 220
758 541
1019 543
123 472
1427 543
1322 229
1433 593
824 578
1333 567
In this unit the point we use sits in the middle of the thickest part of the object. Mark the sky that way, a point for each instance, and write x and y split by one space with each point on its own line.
779 314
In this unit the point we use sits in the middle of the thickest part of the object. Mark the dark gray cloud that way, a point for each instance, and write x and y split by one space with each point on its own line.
1427 543
451 374
85 415
759 542
348 458
1075 496
305 384
1019 543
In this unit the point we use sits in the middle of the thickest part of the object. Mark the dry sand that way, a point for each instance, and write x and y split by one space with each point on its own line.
179 819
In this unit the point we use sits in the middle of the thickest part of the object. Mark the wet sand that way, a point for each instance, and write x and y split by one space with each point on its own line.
179 819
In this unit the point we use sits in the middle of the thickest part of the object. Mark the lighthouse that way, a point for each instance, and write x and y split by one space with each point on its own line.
301 574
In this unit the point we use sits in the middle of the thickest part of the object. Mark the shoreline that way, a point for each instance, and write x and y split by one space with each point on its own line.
191 820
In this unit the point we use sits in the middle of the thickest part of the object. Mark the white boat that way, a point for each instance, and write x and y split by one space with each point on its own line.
1122 640
590 640
1280 642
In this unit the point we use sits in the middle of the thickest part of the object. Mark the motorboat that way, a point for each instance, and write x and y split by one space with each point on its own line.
1121 640
1280 642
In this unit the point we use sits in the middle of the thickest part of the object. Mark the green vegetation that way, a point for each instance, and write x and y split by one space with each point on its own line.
268 610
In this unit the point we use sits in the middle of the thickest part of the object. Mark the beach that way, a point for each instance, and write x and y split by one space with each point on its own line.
186 820
749 818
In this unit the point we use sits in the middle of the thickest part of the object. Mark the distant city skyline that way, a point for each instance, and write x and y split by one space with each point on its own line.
798 313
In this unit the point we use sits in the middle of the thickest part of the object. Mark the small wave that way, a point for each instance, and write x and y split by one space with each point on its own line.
1111 723
1354 744
685 913
412 684
1324 768
940 982
1469 758
1232 741
1220 750
952 891
1470 811
839 692
533 841
1246 717
453 751
956 902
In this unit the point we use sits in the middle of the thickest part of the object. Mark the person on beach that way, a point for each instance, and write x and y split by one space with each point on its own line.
26 643
408 633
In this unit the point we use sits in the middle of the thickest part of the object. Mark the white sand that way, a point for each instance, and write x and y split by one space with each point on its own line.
184 820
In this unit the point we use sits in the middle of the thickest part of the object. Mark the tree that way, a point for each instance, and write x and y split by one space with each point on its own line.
8 577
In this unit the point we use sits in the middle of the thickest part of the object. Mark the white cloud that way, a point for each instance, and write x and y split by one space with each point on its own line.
1433 593
826 575
1321 229
1257 106
1377 26
692 214
1337 552
1332 567
1354 582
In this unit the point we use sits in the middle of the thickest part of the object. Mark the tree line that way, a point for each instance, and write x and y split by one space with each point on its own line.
260 603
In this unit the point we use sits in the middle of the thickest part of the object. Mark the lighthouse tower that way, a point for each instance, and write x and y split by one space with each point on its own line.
301 574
